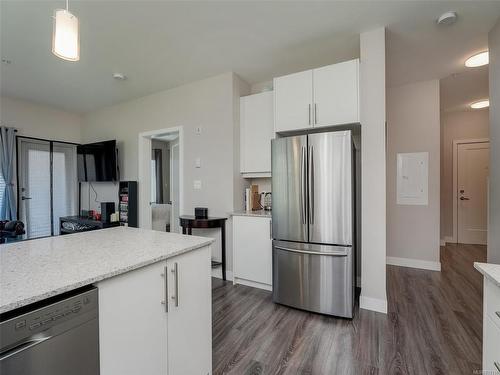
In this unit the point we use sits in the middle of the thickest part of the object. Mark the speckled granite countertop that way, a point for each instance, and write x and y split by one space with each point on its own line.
259 213
489 270
37 269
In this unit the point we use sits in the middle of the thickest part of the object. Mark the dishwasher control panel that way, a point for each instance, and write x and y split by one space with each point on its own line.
46 317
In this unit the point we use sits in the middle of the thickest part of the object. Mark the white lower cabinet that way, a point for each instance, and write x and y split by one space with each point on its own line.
491 328
141 334
252 251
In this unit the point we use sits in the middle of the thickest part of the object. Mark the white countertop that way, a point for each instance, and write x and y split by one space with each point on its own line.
489 270
259 213
37 269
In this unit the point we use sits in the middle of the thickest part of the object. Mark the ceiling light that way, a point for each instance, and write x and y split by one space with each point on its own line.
65 35
119 76
447 18
478 59
480 104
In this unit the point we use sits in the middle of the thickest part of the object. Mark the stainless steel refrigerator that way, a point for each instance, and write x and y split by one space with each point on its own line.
313 209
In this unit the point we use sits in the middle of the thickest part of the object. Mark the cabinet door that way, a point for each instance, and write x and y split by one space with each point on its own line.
256 132
190 313
491 346
252 251
336 94
133 322
293 101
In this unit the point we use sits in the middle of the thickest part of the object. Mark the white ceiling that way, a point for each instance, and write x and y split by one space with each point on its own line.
160 45
458 91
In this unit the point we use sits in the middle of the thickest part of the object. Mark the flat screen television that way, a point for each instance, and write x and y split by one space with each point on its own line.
97 161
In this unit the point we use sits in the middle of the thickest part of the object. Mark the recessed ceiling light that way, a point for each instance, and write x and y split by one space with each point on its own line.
479 59
119 76
447 18
480 104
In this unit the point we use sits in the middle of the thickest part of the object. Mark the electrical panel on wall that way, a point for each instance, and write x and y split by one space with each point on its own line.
413 178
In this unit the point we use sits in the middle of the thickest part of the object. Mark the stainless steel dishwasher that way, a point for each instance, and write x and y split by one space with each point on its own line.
58 337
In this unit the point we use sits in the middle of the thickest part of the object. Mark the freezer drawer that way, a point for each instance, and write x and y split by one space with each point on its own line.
316 278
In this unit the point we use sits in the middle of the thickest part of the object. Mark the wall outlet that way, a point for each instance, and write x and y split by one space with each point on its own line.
197 184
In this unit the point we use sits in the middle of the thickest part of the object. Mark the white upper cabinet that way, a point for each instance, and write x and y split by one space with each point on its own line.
256 132
293 101
325 96
336 94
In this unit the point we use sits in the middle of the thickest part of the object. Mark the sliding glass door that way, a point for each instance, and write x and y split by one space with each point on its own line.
48 186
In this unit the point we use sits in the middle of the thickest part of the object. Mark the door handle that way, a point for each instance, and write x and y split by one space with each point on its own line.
315 114
338 254
311 185
309 114
464 199
25 198
24 346
303 185
271 229
175 271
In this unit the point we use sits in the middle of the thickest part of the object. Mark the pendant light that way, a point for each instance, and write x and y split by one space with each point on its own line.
66 35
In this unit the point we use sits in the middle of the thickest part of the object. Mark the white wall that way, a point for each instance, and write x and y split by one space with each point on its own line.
413 125
457 125
494 193
39 121
373 191
210 104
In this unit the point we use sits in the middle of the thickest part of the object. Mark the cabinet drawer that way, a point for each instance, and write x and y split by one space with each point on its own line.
492 301
491 346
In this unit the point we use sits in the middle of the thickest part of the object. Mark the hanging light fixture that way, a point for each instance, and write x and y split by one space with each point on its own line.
66 35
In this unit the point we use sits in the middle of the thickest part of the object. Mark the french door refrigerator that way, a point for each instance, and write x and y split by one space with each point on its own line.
313 222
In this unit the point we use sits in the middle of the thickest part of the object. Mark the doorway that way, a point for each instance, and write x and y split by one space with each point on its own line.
470 177
161 179
43 195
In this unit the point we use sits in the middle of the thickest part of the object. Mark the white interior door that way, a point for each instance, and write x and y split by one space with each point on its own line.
34 187
472 201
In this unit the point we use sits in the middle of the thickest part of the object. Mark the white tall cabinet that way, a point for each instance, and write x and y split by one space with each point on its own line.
256 132
252 251
156 320
325 96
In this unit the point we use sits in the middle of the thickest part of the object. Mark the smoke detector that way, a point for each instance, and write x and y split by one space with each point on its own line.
119 76
447 18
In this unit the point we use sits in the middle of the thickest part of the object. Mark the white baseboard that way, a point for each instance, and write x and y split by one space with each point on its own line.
373 304
414 263
217 273
253 284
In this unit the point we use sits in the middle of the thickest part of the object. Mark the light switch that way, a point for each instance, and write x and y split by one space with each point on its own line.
197 163
197 184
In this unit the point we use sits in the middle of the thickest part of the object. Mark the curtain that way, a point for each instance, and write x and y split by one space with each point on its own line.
7 153
157 156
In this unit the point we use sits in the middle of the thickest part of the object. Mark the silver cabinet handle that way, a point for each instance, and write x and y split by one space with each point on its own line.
309 114
315 114
338 254
311 185
271 229
175 271
497 365
165 275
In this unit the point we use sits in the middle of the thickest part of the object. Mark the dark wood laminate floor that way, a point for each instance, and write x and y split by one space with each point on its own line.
433 326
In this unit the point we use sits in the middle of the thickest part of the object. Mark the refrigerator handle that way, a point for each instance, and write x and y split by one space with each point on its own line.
311 185
303 185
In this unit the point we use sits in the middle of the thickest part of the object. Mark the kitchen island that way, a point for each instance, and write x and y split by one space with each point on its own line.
154 292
